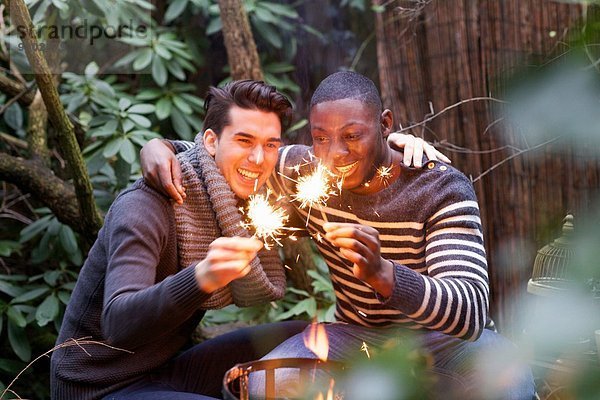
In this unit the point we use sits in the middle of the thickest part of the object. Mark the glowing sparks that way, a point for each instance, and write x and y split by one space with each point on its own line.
365 348
319 237
267 221
315 339
315 188
385 173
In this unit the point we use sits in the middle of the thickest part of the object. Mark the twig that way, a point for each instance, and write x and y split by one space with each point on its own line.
426 120
16 98
360 50
493 167
68 343
13 140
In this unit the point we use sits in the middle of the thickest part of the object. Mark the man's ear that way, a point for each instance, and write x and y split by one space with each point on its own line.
211 141
387 122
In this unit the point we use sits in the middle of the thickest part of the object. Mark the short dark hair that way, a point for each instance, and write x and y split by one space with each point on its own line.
246 94
347 85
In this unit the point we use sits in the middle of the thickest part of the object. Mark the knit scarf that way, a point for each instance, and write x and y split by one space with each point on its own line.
210 211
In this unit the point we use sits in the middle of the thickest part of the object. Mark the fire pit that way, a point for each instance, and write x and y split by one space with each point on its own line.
235 382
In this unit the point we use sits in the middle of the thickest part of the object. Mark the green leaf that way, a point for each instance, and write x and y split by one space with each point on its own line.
265 15
91 69
149 94
162 51
112 147
143 59
180 125
307 305
140 120
122 172
13 116
10 290
215 25
7 247
64 297
182 105
281 9
193 101
141 109
175 9
267 32
13 278
67 239
300 292
159 71
10 366
127 151
15 316
31 295
47 311
163 108
124 103
176 70
18 341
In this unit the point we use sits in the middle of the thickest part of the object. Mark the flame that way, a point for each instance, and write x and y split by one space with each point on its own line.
330 391
267 221
316 340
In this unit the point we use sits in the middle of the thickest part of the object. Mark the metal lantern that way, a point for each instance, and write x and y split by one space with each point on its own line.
551 266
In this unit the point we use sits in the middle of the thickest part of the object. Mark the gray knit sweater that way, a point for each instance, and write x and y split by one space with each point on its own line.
133 293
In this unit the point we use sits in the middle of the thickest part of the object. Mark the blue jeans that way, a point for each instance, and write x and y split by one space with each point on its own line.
197 373
460 369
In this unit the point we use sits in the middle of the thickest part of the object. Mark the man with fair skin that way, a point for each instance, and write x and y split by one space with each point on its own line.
404 249
157 266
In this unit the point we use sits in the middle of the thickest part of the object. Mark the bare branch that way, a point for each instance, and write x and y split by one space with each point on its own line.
70 342
507 159
431 117
32 177
13 141
17 90
36 130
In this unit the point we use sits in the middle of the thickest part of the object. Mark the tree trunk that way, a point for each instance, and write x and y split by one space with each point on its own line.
447 51
239 42
90 217
33 177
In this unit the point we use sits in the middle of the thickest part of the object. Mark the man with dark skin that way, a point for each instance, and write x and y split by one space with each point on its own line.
404 250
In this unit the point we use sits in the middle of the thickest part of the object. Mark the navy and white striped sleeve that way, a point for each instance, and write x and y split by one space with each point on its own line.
453 295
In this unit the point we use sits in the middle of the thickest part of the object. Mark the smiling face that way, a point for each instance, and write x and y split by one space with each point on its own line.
246 150
349 137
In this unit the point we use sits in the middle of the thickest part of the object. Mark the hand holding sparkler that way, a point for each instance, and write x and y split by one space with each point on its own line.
360 245
228 258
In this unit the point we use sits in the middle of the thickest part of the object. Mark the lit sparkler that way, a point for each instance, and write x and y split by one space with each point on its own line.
385 173
267 221
315 188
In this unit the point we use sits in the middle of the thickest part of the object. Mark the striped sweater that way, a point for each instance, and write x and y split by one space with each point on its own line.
429 226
